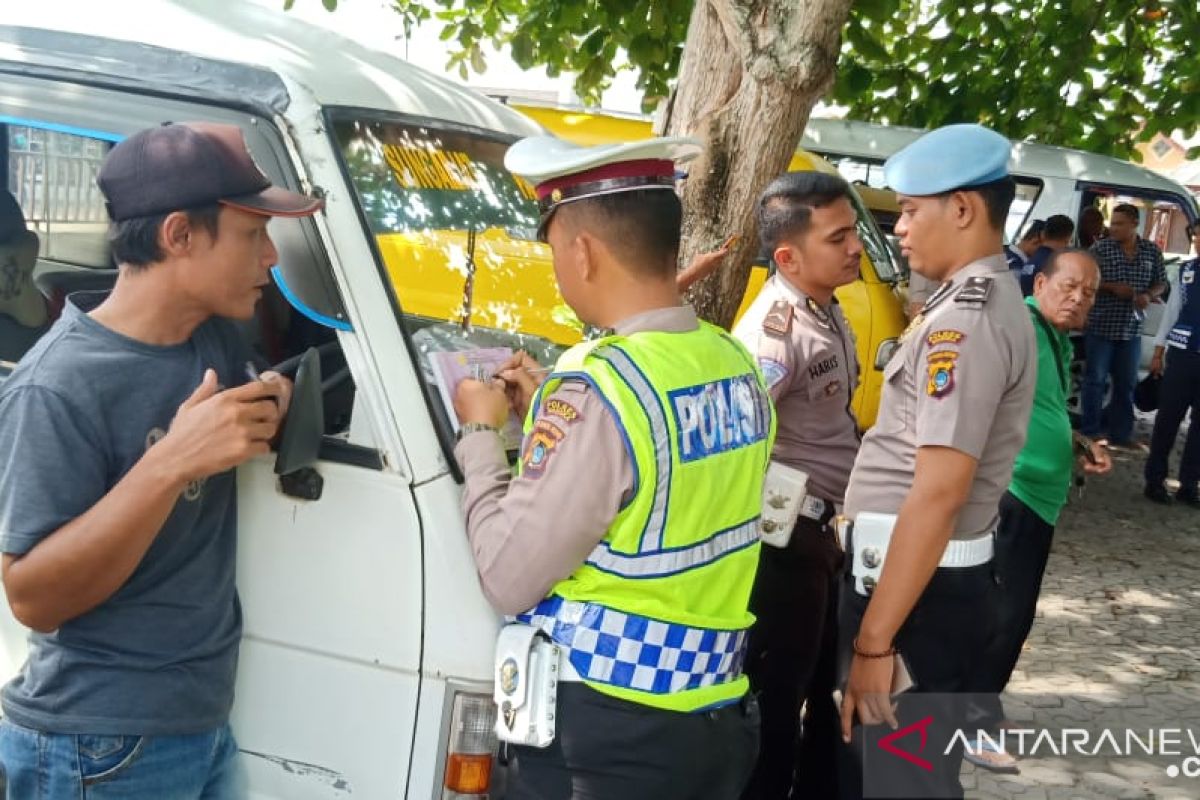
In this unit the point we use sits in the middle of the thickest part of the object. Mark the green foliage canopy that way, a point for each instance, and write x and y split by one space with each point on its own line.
1094 74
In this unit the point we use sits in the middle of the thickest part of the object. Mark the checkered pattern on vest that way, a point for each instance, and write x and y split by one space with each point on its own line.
635 652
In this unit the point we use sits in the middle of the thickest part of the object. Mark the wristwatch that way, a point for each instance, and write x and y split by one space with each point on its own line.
474 427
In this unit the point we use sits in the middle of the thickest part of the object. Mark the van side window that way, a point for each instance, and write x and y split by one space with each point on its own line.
52 175
1028 190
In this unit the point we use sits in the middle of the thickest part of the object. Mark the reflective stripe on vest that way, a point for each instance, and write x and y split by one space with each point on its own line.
628 651
668 562
644 391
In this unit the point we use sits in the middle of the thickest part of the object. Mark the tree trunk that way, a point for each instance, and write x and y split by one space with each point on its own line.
751 72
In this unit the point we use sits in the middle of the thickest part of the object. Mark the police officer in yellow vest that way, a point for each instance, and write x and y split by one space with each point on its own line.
925 488
625 548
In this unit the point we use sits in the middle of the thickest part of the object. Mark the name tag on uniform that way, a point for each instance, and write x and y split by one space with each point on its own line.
717 417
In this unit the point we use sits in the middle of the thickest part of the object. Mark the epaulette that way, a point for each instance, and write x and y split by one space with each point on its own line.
975 292
778 321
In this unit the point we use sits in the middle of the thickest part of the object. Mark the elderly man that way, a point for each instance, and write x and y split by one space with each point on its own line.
1063 294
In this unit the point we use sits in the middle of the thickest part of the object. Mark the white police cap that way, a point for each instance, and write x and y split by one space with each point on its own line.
563 172
949 158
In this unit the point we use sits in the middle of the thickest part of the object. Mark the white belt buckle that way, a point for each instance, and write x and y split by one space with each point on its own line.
871 536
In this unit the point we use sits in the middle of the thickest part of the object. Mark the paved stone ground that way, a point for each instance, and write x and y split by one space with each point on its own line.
1116 643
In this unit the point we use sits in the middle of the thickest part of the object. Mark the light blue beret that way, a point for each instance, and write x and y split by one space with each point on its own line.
949 158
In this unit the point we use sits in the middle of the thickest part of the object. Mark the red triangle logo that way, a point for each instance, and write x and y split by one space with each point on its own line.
922 727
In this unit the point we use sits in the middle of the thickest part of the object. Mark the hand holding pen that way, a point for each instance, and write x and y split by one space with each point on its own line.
522 376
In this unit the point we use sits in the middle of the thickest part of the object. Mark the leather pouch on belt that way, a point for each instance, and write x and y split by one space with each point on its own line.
869 540
526 685
784 490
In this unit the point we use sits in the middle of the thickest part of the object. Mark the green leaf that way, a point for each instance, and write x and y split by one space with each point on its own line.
858 79
478 63
330 5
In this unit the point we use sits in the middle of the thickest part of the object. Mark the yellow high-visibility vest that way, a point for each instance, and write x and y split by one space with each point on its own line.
658 613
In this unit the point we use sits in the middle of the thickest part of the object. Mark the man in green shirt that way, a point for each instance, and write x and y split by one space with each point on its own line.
1063 293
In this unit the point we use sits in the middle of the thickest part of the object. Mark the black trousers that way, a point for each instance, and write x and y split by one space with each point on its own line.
1180 390
612 749
1023 542
791 658
941 642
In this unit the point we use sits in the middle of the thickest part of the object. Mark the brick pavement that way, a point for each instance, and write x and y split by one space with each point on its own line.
1116 644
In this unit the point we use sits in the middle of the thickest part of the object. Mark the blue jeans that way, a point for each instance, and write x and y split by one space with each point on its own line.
56 766
1120 359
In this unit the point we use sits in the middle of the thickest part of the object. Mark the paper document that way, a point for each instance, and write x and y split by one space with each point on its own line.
451 367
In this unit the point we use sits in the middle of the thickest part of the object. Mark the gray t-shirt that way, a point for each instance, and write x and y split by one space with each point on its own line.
159 656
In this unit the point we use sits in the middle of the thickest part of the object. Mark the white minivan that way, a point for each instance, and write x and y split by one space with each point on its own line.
367 657
1050 180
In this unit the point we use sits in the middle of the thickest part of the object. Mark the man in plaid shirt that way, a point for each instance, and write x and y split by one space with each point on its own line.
1132 277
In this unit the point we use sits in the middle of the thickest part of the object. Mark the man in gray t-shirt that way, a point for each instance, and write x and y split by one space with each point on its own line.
118 439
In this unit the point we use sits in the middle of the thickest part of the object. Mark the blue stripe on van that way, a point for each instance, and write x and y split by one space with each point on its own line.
57 128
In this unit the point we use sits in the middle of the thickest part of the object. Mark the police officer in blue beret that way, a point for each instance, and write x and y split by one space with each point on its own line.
921 506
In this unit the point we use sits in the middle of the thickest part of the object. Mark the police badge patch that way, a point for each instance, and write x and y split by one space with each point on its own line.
773 372
941 373
539 446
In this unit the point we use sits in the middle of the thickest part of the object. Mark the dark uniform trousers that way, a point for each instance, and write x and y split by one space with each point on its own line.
613 749
941 643
792 657
1023 541
1179 391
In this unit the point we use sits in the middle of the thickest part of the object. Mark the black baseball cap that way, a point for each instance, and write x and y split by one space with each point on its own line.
174 167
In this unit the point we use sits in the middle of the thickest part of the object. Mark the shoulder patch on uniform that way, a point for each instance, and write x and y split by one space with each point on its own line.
945 336
941 373
539 446
779 319
975 292
773 371
563 410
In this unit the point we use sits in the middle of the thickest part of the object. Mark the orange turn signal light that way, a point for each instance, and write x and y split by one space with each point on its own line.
468 773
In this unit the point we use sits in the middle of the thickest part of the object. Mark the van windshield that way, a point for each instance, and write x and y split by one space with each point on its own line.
456 235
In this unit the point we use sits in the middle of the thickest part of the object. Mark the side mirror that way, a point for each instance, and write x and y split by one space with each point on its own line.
300 444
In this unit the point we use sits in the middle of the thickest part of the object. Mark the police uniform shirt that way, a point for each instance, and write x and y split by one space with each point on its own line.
964 378
807 355
530 532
